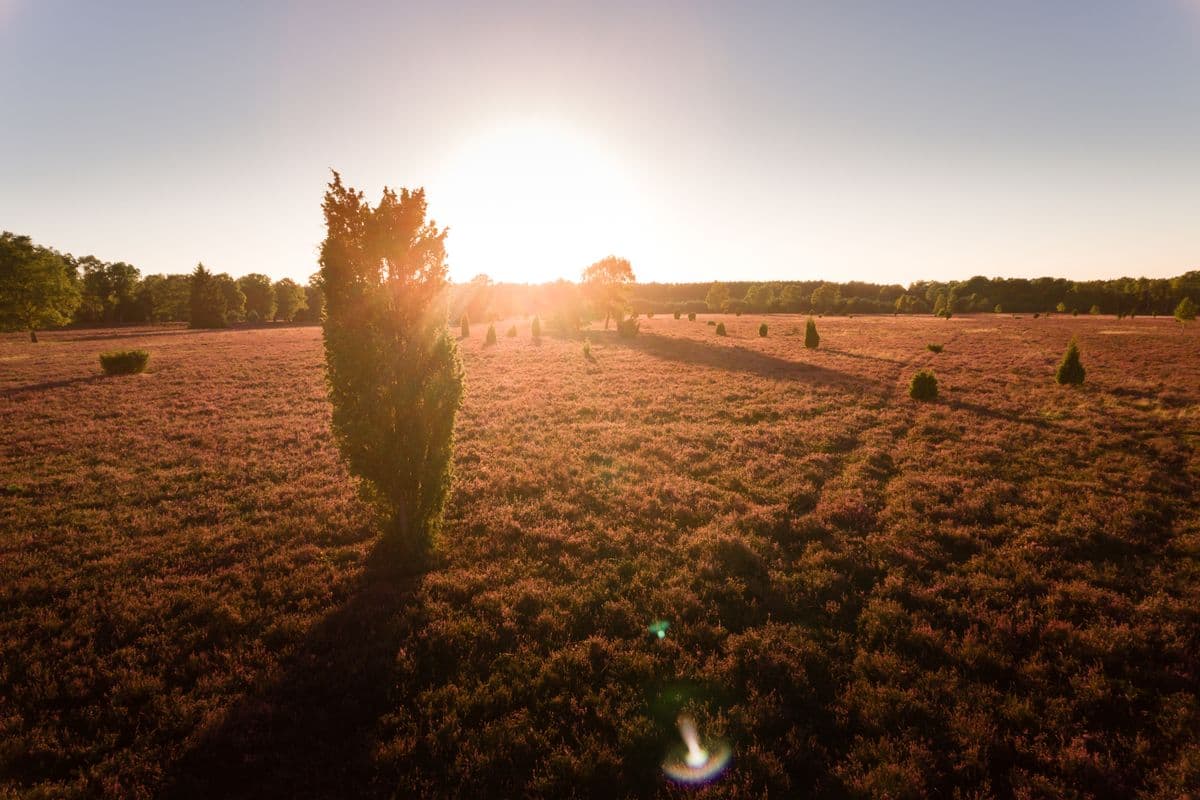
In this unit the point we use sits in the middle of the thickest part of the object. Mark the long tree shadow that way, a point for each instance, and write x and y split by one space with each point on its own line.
309 733
735 358
33 388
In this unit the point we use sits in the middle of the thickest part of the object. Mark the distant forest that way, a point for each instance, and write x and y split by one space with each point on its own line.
1123 296
117 293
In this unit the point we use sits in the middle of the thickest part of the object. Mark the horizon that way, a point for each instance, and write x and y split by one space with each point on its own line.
860 143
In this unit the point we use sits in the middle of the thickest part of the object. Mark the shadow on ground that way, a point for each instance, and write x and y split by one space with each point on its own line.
735 358
309 734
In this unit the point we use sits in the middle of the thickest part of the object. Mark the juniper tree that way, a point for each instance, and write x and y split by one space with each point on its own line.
1070 370
394 375
812 339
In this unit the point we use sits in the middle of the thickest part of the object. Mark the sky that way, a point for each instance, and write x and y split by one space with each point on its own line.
843 139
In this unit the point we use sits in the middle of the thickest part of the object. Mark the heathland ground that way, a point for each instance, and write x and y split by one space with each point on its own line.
992 594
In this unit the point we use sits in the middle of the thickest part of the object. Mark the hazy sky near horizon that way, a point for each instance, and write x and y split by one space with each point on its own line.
848 140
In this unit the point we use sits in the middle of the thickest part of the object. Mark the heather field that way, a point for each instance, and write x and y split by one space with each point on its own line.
992 595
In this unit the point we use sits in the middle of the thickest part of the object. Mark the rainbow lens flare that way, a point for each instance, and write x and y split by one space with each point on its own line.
694 762
659 628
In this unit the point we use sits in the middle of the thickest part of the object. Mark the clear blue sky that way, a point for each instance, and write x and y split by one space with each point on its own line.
885 140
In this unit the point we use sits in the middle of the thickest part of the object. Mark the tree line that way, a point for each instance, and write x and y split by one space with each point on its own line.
41 287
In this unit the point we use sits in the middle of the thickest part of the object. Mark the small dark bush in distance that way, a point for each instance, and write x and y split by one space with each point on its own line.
924 386
512 332
465 326
762 329
935 348
812 339
1070 371
711 322
535 328
124 362
628 328
720 329
587 351
491 335
677 315
691 316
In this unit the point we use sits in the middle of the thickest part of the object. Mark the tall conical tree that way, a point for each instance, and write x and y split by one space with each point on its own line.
206 300
394 375
1070 371
812 339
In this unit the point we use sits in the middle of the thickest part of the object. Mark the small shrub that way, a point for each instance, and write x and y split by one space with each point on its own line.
1036 315
491 335
1185 311
252 317
1094 311
511 332
946 314
720 329
691 316
812 339
924 386
1070 371
465 326
1074 312
124 362
535 328
935 348
587 351
762 329
649 315
677 315
710 322
628 328
998 309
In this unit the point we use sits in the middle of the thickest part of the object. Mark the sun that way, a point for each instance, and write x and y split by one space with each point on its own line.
532 201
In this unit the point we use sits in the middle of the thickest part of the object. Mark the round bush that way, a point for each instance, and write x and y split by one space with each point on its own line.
720 329
124 362
691 316
762 329
924 386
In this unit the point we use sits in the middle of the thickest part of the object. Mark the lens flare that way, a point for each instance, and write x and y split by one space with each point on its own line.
695 762
659 628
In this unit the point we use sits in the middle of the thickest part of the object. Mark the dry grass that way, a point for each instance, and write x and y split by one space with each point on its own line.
993 594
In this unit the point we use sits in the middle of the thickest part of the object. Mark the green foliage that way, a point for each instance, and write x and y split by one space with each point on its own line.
511 332
720 329
691 316
934 348
946 313
314 300
812 339
1070 371
1061 308
124 362
464 327
1186 310
108 291
36 289
717 297
678 315
762 329
605 284
535 328
924 386
1094 311
998 309
825 298
394 375
628 328
260 296
289 299
206 301
490 338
